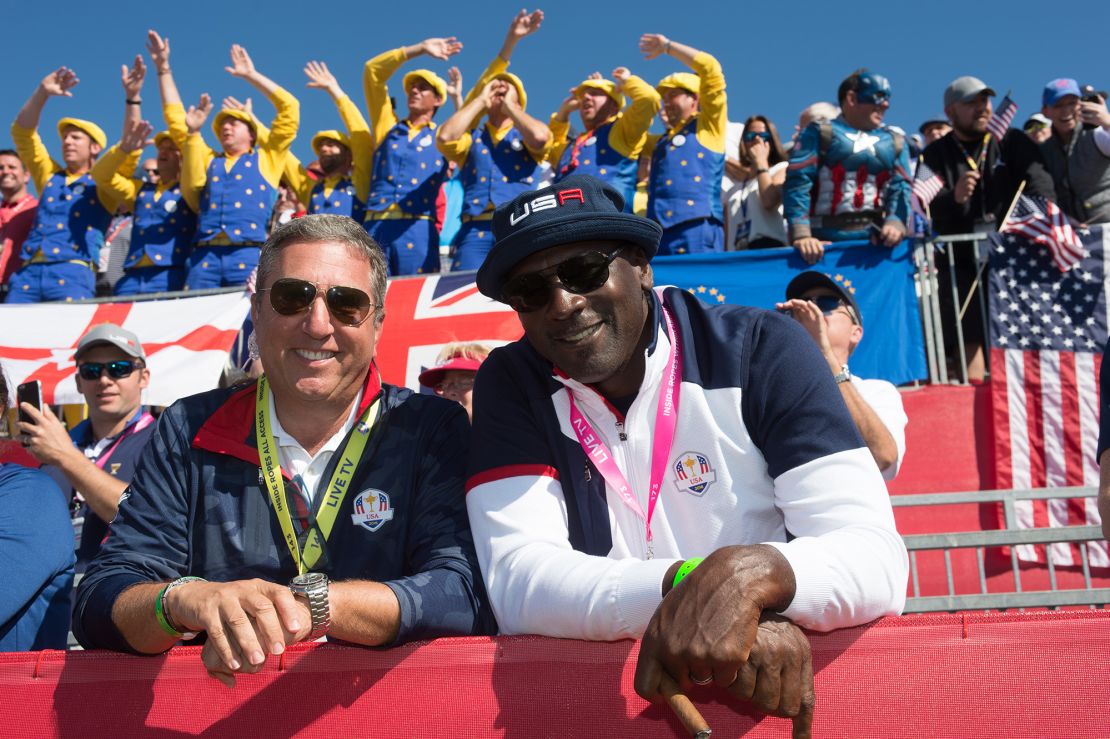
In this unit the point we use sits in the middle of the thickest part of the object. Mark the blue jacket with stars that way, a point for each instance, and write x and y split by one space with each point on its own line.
196 506
837 170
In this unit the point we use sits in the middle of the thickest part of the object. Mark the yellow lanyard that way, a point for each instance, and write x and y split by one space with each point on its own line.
336 488
975 165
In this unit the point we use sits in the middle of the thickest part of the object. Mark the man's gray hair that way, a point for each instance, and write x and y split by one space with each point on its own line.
323 227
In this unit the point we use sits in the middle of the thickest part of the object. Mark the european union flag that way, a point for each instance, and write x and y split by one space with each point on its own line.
892 347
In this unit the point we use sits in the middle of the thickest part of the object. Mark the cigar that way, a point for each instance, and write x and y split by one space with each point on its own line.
684 709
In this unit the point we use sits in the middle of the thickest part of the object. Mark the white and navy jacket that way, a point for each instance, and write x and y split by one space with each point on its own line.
762 420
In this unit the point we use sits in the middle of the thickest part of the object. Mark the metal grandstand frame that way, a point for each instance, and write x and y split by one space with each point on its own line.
1010 536
928 294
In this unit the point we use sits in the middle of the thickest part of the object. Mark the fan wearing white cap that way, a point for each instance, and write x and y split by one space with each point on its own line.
61 252
407 168
164 224
237 186
94 462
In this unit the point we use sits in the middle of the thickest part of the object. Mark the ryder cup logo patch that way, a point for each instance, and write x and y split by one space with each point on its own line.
371 510
693 474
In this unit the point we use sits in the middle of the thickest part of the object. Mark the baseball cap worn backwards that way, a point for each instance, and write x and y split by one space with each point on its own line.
110 333
579 208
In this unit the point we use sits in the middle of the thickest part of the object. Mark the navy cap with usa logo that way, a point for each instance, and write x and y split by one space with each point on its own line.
578 208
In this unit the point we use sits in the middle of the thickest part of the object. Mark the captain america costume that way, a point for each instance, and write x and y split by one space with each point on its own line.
841 180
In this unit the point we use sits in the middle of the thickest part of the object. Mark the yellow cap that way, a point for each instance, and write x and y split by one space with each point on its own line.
331 133
680 80
95 132
162 136
609 88
229 113
518 84
428 76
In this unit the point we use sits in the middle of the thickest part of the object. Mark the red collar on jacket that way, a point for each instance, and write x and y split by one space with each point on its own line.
230 430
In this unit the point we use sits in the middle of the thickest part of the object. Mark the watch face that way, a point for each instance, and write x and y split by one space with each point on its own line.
310 578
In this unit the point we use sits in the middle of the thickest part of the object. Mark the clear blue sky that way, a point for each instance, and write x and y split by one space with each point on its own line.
774 66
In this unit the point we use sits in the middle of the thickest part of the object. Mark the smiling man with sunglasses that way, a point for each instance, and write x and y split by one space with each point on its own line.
633 432
96 460
317 500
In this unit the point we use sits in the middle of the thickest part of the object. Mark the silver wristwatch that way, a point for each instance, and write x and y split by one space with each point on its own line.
314 587
843 376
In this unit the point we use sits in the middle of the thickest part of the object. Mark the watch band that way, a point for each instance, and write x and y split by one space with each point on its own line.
314 587
843 375
162 611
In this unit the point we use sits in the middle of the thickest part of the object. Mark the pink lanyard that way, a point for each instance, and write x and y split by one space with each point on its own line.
144 420
666 418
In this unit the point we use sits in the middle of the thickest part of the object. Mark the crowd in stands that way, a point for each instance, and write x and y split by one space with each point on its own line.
177 521
194 216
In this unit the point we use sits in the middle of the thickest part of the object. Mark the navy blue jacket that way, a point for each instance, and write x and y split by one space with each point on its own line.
196 506
36 549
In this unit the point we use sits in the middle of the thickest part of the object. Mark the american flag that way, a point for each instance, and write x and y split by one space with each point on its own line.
1048 331
1041 221
1002 118
926 185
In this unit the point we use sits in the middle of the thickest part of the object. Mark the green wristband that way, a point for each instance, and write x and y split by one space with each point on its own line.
686 568
161 614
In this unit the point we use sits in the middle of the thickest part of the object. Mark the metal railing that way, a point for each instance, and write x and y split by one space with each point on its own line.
933 317
1011 537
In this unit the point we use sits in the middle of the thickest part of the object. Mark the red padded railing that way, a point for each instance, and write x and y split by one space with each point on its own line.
973 675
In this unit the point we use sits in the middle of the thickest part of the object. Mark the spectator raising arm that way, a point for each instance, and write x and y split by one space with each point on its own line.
25 135
376 74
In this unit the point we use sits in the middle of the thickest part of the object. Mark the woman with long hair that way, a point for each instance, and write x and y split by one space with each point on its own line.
753 206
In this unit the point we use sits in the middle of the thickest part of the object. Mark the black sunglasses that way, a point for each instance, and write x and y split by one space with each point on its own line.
117 370
348 305
580 274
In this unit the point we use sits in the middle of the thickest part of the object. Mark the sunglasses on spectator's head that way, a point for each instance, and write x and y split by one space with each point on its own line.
348 305
580 274
117 370
750 136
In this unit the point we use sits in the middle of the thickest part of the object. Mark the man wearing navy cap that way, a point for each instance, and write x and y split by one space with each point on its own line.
633 432
826 308
849 177
1078 156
